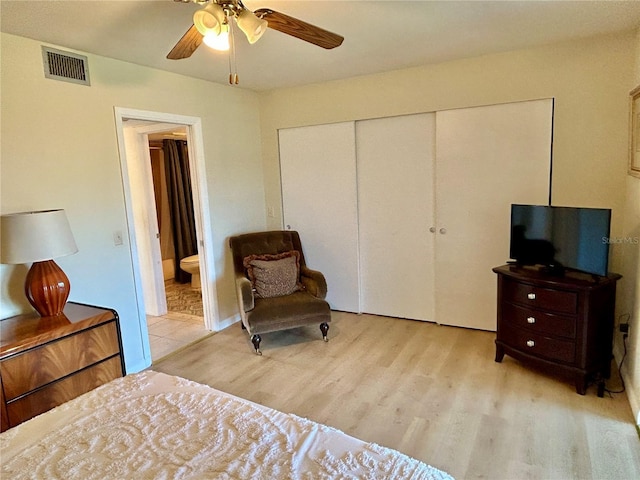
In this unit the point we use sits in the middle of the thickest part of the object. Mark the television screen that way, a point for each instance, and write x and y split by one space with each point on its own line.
561 237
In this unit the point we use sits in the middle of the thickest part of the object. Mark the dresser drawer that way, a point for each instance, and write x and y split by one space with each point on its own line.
39 366
63 390
538 344
538 321
543 298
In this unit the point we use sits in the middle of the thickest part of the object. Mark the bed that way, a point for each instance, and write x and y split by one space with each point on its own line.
153 425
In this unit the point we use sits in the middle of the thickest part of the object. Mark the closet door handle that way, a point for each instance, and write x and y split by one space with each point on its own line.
443 231
432 229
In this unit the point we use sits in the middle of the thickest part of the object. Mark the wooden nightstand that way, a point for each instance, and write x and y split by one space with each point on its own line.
560 323
45 362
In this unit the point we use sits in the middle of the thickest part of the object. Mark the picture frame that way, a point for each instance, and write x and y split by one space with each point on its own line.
634 132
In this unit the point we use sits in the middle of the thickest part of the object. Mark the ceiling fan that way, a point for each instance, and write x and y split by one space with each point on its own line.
212 24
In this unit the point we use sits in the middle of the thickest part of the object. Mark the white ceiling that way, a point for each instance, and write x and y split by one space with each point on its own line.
379 35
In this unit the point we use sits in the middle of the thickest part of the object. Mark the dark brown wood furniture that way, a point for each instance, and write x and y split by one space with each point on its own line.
563 324
45 362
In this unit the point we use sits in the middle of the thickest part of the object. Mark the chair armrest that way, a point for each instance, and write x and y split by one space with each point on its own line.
314 282
245 293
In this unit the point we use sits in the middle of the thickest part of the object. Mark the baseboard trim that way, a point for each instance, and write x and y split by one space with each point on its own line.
227 322
630 388
634 401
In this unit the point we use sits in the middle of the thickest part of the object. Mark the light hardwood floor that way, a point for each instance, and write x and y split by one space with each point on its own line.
432 392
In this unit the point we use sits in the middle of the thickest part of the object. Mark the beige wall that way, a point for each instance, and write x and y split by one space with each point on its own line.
629 298
590 80
59 150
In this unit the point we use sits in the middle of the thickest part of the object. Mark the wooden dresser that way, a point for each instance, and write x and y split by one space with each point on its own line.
45 362
563 324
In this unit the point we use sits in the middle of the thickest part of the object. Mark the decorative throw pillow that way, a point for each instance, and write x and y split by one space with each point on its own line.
274 275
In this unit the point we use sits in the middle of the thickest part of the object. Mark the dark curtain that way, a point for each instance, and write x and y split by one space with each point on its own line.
183 227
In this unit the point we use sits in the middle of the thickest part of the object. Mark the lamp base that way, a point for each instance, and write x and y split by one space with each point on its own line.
47 288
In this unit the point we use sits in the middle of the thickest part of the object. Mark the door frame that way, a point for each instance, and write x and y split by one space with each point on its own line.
132 181
144 212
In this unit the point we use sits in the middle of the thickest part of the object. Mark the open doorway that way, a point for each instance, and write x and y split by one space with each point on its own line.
135 128
183 321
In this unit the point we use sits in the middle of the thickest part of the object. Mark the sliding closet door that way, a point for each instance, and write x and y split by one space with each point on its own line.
318 172
487 158
395 211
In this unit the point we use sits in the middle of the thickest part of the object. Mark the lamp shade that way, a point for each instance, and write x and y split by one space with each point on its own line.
35 236
209 19
252 26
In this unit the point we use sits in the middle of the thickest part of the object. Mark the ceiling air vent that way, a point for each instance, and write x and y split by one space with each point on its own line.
65 66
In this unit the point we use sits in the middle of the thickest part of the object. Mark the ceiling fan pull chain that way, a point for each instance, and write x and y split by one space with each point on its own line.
233 67
235 63
229 54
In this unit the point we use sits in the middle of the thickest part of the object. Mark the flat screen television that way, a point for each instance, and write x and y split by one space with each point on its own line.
561 237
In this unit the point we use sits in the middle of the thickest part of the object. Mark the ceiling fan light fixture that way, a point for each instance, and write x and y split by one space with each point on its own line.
209 20
218 41
252 26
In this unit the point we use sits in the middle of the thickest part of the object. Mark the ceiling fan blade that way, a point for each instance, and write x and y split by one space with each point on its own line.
299 29
186 45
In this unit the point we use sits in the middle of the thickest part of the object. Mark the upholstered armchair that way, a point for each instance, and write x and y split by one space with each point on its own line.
275 288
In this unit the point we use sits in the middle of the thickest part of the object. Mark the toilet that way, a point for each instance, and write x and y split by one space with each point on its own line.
192 265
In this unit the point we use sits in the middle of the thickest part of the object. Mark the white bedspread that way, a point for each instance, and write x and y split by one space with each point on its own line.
152 425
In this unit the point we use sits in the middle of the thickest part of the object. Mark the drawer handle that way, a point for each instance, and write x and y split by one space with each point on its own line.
531 343
531 320
531 296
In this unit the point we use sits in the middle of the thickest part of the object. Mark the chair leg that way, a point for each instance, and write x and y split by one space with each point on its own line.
242 325
256 339
324 328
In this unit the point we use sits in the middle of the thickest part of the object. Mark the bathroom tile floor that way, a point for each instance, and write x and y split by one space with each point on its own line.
173 331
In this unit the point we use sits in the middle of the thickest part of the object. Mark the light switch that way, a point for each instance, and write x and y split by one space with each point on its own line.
117 238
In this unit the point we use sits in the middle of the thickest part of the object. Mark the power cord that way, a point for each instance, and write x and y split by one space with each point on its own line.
625 335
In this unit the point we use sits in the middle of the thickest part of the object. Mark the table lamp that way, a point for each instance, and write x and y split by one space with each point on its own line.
39 237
